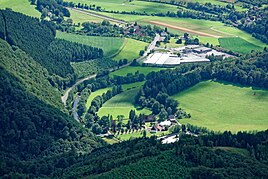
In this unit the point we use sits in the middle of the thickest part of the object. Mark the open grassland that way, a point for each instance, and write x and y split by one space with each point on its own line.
130 50
22 6
132 69
78 17
221 107
234 150
238 45
104 90
123 5
121 104
110 45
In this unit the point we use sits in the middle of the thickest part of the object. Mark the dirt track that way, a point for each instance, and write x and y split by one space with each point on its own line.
184 29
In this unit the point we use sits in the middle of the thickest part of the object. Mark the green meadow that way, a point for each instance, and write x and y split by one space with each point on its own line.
22 6
224 106
238 45
130 50
134 69
109 45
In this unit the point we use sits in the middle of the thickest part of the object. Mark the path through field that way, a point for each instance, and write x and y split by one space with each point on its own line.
183 29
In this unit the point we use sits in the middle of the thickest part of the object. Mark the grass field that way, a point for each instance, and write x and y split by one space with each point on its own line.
123 5
221 107
132 69
101 91
80 17
121 104
130 50
109 45
22 6
238 45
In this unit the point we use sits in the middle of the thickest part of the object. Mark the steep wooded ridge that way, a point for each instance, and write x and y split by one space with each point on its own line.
35 132
37 38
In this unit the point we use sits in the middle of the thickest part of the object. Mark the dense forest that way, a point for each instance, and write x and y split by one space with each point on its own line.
37 38
33 125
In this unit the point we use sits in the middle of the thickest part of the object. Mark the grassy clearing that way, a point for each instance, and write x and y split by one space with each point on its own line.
238 45
130 50
122 5
210 40
239 151
22 6
110 45
104 90
81 17
121 104
221 107
132 69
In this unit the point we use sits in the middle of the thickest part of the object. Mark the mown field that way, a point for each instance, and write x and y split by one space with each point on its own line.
78 17
22 6
133 69
122 103
123 5
238 45
224 106
131 50
109 45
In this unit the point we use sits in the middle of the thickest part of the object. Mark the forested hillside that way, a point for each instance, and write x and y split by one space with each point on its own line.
37 38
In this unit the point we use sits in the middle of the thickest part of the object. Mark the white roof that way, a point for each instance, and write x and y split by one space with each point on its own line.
165 123
169 140
172 61
162 59
153 58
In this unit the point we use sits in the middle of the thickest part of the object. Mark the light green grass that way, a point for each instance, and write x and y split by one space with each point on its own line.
78 17
223 107
210 40
238 45
121 104
123 5
171 44
22 6
124 137
132 69
109 45
130 50
104 90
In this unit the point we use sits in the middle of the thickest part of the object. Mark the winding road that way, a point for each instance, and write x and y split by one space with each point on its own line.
150 47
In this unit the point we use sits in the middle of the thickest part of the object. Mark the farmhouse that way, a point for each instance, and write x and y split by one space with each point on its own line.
202 50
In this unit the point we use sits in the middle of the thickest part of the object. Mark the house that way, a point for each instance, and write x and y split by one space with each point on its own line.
165 123
202 50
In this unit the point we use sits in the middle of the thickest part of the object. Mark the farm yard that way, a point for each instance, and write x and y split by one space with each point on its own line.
224 106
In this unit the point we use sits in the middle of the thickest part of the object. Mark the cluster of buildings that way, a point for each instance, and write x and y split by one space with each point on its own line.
185 54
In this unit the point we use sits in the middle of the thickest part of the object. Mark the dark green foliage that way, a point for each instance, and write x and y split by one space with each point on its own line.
73 52
196 157
53 7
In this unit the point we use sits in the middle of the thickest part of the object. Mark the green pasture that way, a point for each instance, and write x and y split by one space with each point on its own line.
133 69
238 45
224 106
130 50
22 6
121 104
109 45
122 5
78 17
104 90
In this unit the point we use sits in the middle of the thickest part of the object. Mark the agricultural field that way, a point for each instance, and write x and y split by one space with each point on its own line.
224 106
22 6
78 17
134 69
211 30
122 5
110 45
130 50
238 45
121 104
